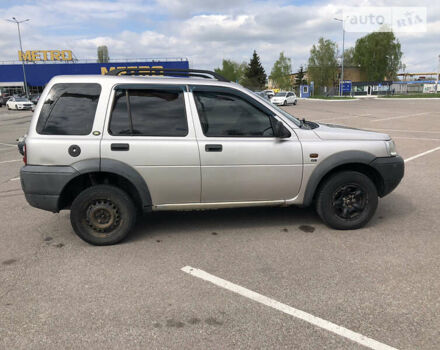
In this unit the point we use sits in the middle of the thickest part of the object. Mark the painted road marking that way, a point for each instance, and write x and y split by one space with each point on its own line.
316 321
345 117
11 161
15 179
400 117
7 144
422 154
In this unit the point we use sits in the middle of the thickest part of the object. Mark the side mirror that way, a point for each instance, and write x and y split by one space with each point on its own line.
280 130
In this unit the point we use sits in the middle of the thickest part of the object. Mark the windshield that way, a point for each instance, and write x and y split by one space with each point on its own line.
20 99
282 112
280 94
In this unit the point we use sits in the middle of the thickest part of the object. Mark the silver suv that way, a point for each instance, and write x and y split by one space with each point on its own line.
111 147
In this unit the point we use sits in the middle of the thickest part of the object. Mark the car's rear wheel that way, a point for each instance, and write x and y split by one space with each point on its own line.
295 102
285 103
347 200
102 215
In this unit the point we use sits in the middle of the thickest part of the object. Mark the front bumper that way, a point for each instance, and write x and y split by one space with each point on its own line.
391 169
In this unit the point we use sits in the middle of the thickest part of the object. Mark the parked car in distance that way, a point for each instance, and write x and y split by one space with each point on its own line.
191 143
263 95
19 103
269 93
34 99
284 98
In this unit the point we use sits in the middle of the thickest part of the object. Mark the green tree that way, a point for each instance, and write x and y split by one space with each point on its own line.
379 55
103 54
300 77
254 76
323 64
349 57
232 70
281 72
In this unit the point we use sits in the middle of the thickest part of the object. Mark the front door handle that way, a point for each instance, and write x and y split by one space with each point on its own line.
120 147
213 148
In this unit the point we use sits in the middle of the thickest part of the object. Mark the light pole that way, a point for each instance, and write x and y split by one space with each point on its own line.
438 75
14 20
341 81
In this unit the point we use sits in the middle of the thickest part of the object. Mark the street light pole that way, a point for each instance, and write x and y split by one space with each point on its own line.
438 75
14 20
341 81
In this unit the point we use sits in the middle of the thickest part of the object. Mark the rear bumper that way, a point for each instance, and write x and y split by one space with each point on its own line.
42 185
391 170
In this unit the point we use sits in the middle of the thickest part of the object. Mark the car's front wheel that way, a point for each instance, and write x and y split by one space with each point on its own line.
102 215
285 103
347 200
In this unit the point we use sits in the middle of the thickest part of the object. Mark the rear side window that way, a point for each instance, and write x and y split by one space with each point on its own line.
149 112
69 109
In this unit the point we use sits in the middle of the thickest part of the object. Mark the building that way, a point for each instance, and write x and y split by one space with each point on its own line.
42 65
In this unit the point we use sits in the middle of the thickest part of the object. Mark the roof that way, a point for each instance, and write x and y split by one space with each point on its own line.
134 79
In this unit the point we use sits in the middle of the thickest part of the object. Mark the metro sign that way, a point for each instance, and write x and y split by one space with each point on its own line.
45 55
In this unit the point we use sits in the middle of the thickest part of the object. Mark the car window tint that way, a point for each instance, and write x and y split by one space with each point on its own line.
227 115
149 112
69 109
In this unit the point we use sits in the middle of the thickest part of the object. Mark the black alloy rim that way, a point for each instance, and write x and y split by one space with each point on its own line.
349 201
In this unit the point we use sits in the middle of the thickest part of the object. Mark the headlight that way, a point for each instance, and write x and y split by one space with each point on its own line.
391 148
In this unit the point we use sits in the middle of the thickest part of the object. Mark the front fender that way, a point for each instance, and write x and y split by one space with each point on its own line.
330 163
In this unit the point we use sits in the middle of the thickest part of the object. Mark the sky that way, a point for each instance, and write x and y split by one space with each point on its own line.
204 31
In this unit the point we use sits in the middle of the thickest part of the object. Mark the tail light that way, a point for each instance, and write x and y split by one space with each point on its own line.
24 155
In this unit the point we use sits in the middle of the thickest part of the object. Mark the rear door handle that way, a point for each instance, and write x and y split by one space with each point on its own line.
120 146
213 148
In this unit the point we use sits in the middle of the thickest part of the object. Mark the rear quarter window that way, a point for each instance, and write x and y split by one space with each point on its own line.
69 109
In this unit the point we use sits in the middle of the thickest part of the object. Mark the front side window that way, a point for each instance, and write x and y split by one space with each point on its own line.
224 114
149 112
69 109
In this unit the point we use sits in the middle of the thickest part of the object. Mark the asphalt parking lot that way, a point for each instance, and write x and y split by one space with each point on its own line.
382 281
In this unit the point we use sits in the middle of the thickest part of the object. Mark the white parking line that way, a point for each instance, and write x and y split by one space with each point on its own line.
11 161
15 179
409 131
422 154
341 118
401 116
7 144
316 321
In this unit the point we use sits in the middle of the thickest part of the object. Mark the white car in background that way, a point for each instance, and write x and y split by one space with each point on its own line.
19 103
284 98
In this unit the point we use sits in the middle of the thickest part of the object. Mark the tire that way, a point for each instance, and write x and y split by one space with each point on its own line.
102 215
347 200
285 103
295 102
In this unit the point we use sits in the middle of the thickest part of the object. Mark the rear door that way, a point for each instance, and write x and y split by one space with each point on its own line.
148 129
241 160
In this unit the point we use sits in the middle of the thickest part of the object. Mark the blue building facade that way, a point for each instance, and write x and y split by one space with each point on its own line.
39 74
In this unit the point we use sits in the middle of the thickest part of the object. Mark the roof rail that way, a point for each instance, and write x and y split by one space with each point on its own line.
169 71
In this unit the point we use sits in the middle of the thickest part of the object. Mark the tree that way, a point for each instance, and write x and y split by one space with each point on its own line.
349 57
281 71
103 54
254 76
378 55
323 64
232 70
300 77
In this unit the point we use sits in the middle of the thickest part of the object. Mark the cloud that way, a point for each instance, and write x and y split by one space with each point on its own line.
204 31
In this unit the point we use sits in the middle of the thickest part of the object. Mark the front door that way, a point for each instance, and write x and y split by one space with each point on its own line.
241 160
149 130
